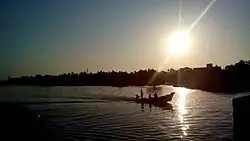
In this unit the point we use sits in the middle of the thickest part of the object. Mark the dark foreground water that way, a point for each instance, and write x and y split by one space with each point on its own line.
82 113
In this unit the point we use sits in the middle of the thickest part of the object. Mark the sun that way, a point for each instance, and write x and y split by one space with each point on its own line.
178 42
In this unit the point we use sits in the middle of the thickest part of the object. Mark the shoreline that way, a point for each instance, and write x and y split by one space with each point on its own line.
221 92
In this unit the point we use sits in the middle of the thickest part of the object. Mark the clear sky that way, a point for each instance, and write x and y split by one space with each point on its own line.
56 36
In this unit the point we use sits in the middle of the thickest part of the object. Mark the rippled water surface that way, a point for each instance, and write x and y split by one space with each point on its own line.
108 113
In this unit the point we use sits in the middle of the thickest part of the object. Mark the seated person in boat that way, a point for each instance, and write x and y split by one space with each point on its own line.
136 97
149 96
155 96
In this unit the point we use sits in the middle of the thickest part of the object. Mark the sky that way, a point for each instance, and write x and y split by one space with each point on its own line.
57 36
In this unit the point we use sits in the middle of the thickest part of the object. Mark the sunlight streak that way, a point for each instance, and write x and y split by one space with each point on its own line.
160 68
201 15
180 14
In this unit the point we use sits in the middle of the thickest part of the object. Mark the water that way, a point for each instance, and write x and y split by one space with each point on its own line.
95 113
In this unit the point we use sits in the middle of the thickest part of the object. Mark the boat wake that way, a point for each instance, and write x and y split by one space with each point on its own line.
71 99
101 98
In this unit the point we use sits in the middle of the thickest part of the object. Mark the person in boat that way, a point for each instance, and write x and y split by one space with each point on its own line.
155 96
141 94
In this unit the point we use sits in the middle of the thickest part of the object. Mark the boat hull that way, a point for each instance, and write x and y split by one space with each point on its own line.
162 100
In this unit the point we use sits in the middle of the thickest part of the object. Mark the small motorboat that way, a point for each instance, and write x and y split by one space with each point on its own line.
162 100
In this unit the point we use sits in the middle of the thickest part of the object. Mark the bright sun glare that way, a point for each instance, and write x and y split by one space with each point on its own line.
178 42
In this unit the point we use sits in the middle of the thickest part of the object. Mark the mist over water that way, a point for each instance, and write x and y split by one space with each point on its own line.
109 113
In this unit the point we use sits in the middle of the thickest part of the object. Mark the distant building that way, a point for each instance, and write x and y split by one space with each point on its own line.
209 66
201 71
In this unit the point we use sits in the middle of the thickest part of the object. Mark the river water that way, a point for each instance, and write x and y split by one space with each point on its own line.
107 113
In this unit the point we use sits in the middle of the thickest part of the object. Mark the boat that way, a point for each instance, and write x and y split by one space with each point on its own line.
162 100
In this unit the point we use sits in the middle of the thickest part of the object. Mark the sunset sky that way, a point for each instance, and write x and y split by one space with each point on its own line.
52 37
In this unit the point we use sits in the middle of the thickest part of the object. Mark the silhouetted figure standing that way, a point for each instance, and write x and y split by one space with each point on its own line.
141 94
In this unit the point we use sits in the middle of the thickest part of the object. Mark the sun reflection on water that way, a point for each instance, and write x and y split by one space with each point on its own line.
181 102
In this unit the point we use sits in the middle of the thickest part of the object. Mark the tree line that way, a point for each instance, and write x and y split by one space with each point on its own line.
232 79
